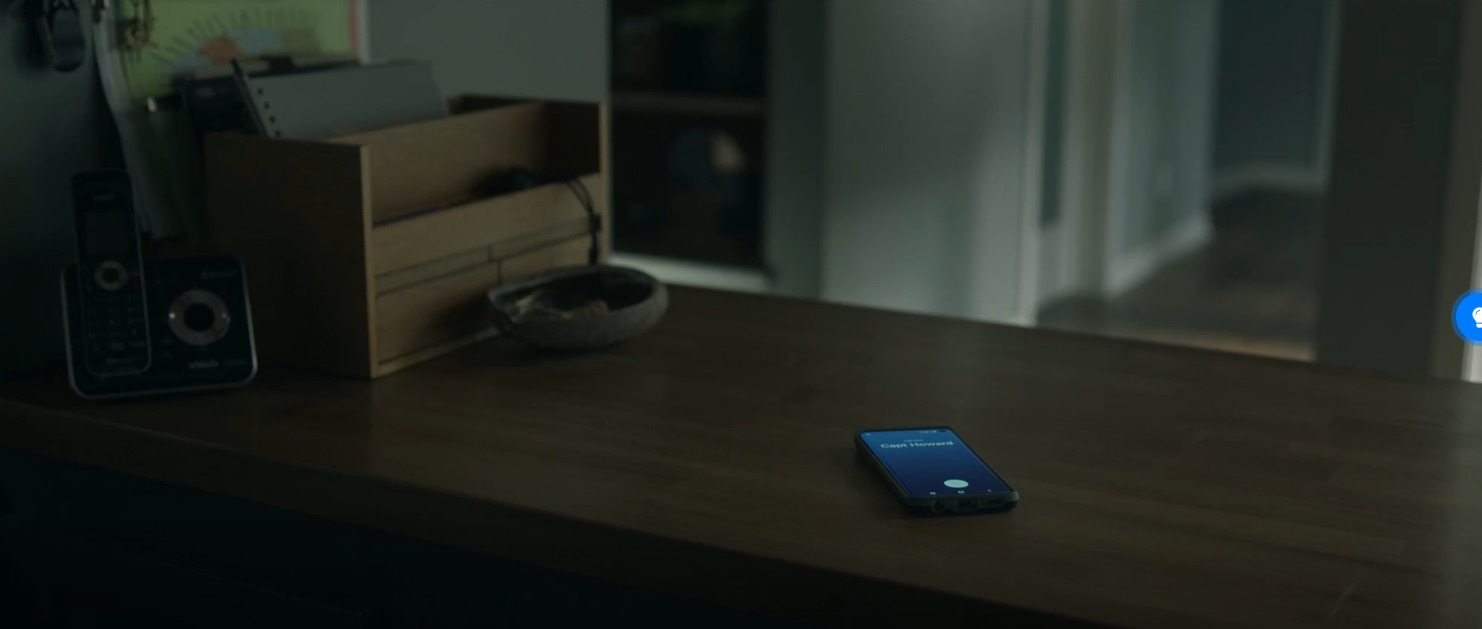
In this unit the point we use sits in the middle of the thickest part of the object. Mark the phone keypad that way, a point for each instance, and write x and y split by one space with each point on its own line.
114 321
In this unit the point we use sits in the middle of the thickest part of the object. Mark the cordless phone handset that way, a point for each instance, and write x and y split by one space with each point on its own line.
113 310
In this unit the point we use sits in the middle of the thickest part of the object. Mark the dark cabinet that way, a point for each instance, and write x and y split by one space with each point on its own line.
87 548
68 582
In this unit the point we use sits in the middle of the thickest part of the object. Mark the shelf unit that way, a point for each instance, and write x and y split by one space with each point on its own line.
682 104
690 119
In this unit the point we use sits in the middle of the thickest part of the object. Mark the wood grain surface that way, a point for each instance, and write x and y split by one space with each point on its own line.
293 210
414 166
545 213
1162 487
435 311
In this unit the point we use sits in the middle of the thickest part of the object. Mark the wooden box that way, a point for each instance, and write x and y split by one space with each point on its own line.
369 252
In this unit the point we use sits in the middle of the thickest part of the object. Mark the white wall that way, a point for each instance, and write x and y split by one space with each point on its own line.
926 119
53 126
554 49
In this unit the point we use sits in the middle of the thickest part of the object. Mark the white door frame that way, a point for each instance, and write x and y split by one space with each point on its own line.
1031 201
1097 49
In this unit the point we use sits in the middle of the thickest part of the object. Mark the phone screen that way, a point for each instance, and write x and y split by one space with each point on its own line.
932 462
104 204
108 233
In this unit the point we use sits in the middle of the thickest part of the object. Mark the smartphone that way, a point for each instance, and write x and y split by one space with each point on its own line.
934 472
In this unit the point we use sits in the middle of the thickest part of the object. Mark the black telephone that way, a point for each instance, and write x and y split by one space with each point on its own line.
135 326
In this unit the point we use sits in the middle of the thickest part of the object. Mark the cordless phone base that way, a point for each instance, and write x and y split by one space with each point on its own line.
200 330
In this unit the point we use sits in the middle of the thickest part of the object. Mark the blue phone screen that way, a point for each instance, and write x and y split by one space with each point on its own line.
932 462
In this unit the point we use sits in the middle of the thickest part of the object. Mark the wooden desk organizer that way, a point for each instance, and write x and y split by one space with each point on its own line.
364 252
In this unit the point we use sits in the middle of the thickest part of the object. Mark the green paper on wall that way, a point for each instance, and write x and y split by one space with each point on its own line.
185 37
189 35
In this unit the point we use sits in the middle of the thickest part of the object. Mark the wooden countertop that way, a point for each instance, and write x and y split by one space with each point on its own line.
1161 487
